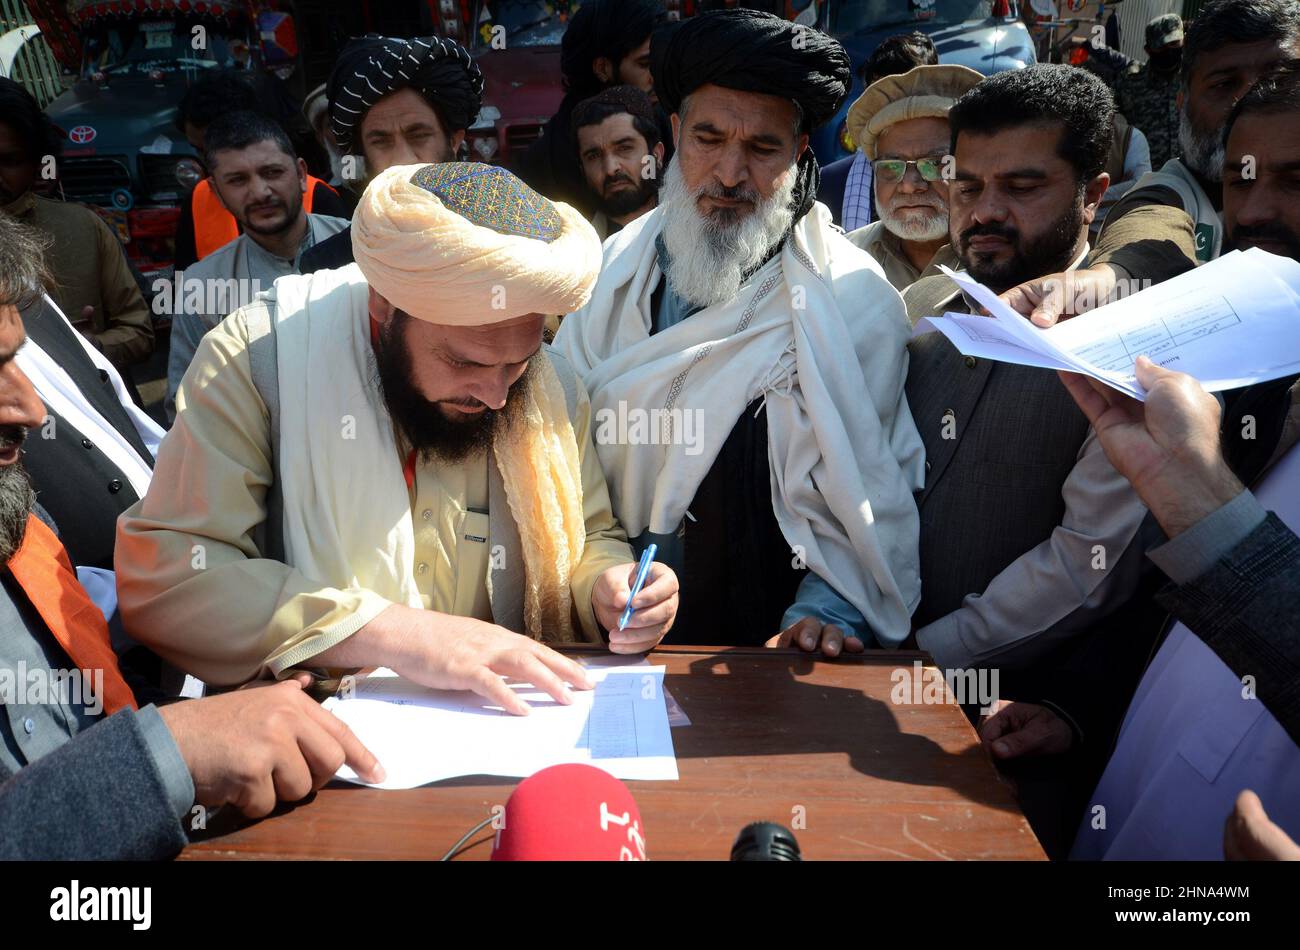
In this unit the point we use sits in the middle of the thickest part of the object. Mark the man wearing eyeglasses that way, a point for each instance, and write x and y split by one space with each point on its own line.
1029 537
901 124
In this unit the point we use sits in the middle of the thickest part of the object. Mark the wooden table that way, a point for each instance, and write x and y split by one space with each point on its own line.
777 735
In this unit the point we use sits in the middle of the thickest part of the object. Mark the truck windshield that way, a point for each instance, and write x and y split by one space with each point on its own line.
526 22
141 46
856 16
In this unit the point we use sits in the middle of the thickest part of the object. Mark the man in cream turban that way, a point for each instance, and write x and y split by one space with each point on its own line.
382 465
901 124
746 362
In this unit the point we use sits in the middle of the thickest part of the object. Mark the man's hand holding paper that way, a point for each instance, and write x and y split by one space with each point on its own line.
1229 323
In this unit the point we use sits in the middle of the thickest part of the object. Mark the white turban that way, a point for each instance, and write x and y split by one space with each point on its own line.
921 92
465 244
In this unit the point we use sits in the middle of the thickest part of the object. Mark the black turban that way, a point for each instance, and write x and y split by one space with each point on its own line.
752 52
609 28
374 66
757 52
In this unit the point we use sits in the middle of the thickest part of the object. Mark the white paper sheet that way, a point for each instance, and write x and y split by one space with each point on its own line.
423 735
1231 322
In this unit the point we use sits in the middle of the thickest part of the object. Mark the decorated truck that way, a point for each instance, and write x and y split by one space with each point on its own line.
130 63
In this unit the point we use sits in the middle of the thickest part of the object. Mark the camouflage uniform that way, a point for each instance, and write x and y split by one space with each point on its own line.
1147 100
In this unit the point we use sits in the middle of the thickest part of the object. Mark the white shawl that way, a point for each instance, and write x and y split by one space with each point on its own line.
822 335
347 513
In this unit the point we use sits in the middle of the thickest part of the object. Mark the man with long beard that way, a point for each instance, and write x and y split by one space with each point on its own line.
901 124
746 361
1028 534
380 465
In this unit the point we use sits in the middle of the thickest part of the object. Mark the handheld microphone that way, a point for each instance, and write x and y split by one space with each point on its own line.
765 841
570 813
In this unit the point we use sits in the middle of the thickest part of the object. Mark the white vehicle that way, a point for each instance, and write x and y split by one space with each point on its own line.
11 43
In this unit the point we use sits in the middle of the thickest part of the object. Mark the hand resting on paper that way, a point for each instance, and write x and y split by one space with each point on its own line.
447 652
252 747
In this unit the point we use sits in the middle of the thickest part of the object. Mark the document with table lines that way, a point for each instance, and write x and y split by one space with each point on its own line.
1232 322
423 735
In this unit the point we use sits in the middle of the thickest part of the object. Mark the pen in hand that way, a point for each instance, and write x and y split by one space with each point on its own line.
647 557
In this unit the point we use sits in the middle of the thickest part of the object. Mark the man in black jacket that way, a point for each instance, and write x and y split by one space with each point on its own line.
94 452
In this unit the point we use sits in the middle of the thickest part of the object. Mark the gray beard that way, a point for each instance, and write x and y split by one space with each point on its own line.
912 227
1203 154
708 256
16 502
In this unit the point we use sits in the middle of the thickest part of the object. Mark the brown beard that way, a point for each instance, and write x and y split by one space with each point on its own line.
421 421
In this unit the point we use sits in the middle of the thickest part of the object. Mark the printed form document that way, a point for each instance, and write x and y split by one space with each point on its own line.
1232 322
423 735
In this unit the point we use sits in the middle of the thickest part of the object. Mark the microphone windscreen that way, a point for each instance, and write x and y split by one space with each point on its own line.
765 841
570 813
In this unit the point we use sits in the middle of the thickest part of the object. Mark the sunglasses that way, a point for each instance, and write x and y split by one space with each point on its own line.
890 170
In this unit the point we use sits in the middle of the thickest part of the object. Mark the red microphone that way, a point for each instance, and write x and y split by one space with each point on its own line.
570 813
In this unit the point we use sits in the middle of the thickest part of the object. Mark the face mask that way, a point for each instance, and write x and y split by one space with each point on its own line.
1167 60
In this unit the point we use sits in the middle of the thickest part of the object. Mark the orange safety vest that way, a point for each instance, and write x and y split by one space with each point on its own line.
216 227
42 569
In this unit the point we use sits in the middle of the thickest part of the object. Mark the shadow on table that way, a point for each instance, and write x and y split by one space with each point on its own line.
774 711
780 712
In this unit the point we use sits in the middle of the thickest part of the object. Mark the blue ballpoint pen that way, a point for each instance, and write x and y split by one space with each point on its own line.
647 556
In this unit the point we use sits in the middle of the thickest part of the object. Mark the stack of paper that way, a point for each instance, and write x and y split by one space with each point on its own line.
423 735
1232 322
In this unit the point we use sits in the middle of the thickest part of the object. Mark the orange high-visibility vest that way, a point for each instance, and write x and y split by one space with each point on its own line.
42 569
214 226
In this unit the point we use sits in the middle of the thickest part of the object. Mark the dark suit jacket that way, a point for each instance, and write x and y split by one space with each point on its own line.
993 491
330 254
81 488
830 191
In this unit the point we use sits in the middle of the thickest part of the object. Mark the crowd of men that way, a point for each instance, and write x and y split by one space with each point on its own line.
378 461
